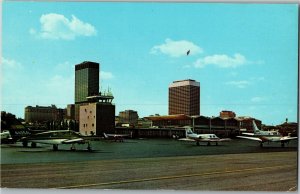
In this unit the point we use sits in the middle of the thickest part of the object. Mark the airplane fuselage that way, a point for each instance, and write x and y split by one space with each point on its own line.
48 141
208 138
211 137
269 138
55 138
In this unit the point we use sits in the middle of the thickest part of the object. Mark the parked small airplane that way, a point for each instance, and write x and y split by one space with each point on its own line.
55 138
209 138
266 136
115 137
5 136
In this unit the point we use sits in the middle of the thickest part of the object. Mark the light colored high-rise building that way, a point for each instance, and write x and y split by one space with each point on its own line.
184 97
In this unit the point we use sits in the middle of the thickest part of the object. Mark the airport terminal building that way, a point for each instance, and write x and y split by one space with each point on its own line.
223 127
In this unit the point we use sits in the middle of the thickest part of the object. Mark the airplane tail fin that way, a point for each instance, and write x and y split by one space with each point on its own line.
105 136
188 131
255 129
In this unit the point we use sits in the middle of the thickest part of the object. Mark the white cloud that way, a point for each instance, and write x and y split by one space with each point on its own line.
10 64
222 61
106 75
64 67
10 71
257 99
56 26
58 81
176 48
233 74
257 79
239 84
32 31
59 89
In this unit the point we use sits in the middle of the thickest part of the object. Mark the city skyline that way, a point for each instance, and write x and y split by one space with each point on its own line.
245 56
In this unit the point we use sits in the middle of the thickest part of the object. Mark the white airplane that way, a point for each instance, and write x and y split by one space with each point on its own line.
209 138
115 137
55 138
5 136
266 136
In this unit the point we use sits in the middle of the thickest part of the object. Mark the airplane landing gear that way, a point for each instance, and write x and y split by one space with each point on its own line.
282 144
89 148
208 143
25 143
73 147
198 143
33 145
261 144
55 147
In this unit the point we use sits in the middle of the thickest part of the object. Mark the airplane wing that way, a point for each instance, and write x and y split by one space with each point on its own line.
117 135
186 139
205 140
287 138
70 141
214 140
251 138
225 139
250 134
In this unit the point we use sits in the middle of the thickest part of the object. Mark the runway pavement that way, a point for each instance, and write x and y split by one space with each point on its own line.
127 166
275 171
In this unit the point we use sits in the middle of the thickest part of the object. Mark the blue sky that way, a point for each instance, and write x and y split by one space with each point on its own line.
243 55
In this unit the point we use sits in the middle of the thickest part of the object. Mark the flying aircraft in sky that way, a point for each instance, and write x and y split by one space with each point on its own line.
208 138
266 136
56 138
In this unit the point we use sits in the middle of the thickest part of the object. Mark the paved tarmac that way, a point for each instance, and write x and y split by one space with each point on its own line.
153 164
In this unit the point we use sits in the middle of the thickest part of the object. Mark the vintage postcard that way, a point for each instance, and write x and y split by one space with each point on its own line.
155 96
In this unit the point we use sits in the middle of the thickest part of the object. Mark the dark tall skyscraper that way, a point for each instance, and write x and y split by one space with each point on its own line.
184 97
86 83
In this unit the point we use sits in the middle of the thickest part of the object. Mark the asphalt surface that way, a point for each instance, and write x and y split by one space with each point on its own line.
239 165
133 148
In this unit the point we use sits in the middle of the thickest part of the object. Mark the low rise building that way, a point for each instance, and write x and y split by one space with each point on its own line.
128 117
43 114
202 124
179 120
97 116
225 114
288 128
70 112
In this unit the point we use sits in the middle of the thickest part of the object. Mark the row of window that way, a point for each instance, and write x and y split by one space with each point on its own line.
86 125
